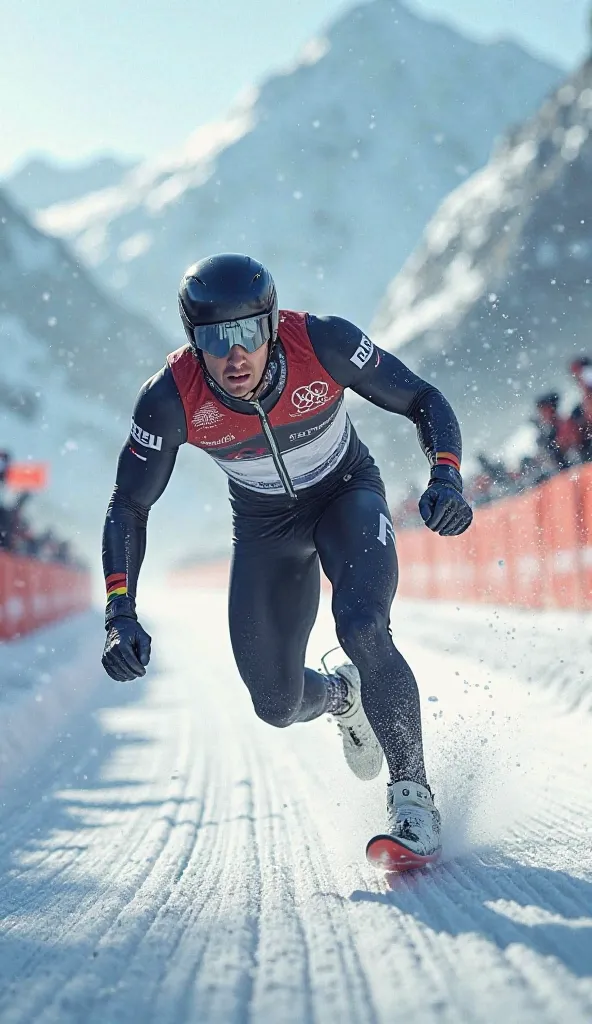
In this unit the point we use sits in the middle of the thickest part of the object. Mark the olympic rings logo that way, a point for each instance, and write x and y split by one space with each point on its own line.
310 395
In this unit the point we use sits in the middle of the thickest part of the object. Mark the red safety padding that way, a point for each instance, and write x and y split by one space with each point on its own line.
213 574
454 566
533 550
415 578
559 510
34 593
584 487
464 550
19 602
494 576
525 554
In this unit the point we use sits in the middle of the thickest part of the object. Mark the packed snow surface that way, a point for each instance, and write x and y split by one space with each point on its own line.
173 859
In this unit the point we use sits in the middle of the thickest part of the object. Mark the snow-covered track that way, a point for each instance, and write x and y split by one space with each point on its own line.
173 860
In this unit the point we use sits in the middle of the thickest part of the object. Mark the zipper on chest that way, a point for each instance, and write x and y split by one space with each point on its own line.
275 451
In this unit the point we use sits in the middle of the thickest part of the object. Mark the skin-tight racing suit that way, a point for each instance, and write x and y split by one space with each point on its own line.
305 492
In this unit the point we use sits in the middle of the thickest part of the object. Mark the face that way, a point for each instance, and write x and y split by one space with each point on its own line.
547 413
585 379
240 371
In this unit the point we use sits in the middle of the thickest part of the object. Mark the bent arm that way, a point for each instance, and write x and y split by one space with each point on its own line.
378 376
143 472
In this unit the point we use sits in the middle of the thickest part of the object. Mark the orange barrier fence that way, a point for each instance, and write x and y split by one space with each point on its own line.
34 593
533 550
213 574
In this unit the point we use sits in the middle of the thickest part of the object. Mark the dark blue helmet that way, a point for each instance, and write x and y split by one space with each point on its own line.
228 299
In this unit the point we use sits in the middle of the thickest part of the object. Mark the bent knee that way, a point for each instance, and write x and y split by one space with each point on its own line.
362 629
280 716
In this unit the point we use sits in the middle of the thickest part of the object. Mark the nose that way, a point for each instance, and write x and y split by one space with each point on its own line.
236 355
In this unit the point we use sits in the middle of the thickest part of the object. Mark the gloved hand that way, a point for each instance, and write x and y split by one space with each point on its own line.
127 648
442 506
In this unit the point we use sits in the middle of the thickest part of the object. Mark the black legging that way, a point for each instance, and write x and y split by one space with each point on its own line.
274 597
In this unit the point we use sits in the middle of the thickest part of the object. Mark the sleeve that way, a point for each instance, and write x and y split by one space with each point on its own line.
146 462
355 362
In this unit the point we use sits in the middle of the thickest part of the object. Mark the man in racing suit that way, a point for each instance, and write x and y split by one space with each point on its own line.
261 390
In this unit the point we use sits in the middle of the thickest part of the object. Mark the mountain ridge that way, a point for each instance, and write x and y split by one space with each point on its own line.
327 171
41 181
496 298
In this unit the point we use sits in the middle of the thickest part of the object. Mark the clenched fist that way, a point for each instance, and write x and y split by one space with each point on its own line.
127 649
442 506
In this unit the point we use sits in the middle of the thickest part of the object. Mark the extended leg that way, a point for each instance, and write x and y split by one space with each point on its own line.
273 603
356 544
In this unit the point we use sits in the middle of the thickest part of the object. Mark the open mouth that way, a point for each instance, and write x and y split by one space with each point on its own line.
238 378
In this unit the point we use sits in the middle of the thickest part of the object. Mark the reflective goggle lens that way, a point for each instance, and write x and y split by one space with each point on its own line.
218 339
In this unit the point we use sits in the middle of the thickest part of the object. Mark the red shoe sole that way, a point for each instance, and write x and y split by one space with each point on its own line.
386 854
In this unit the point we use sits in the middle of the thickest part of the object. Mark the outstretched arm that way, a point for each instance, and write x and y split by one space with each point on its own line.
144 469
355 362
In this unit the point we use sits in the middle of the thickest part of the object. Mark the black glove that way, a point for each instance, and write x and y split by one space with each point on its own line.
442 507
127 647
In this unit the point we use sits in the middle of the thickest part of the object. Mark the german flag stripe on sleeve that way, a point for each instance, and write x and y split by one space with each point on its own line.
448 459
116 584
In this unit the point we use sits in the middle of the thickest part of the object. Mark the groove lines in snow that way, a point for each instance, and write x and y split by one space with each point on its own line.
176 860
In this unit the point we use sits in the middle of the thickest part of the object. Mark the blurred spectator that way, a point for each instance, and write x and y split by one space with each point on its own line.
478 489
557 436
582 414
5 523
529 473
561 442
495 480
18 536
4 464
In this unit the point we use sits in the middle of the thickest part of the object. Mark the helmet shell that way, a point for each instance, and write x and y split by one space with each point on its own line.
225 287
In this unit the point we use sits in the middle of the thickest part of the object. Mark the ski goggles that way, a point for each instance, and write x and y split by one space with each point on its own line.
218 339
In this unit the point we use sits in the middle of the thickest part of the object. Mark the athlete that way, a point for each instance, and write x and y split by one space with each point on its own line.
262 391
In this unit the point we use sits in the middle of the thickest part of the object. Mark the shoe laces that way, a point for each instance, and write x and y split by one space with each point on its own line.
358 734
352 733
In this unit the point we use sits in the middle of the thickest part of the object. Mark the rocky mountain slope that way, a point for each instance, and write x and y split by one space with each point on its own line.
498 296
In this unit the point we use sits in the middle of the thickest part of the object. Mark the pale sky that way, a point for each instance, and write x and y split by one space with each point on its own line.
136 78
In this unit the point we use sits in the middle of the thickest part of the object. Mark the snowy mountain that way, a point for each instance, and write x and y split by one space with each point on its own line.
328 172
40 182
72 363
497 298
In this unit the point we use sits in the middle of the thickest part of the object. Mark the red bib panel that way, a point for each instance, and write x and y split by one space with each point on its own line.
308 390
